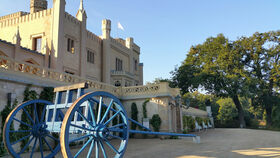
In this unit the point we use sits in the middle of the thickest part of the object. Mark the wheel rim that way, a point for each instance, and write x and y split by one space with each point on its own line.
94 126
31 131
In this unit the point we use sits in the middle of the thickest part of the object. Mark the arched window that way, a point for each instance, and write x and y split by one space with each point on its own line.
3 62
118 83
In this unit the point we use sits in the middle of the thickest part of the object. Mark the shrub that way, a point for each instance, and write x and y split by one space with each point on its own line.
227 116
276 117
144 105
134 116
206 120
188 123
199 120
156 122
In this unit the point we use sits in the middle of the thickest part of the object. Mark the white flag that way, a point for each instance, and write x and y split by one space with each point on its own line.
120 26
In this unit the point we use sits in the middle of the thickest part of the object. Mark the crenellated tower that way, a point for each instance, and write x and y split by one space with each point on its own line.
106 29
38 5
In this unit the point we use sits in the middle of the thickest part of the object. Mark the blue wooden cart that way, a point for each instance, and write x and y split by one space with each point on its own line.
94 124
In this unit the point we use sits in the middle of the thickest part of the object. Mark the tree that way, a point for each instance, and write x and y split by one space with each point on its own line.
216 65
134 115
228 115
261 54
156 122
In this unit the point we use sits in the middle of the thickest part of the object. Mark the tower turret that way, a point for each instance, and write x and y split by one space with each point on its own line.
81 14
38 5
17 38
106 28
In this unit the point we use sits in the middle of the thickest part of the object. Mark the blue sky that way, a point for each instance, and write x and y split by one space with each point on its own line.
166 29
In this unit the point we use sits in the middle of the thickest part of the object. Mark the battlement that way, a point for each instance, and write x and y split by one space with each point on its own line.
25 17
136 48
72 19
119 44
93 37
13 15
121 41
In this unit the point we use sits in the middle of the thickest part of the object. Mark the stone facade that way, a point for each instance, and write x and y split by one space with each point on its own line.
67 46
50 48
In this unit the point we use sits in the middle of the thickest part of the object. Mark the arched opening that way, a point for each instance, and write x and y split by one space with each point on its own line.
118 83
32 61
3 61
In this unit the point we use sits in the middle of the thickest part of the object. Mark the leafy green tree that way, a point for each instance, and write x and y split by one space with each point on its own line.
144 106
199 100
216 65
228 115
261 55
134 115
156 122
276 116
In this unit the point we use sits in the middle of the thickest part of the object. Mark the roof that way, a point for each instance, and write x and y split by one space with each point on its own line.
194 112
26 49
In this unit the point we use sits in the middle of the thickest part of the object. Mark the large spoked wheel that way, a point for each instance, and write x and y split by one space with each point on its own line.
95 125
25 131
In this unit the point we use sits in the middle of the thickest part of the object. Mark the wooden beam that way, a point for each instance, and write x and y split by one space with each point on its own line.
71 87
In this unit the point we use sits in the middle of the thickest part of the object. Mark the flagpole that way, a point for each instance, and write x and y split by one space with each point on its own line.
117 32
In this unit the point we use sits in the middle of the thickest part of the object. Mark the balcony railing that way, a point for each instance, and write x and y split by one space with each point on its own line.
122 73
152 90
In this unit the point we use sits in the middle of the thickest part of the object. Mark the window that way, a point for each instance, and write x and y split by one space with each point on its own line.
135 65
118 64
68 72
70 45
37 44
90 57
117 83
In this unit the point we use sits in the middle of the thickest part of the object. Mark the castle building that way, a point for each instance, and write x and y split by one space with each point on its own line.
60 41
49 48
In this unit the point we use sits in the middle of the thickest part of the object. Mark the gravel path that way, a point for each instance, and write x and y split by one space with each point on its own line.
215 143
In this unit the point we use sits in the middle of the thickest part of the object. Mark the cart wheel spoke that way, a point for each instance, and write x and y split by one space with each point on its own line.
103 149
90 149
53 138
79 112
21 131
99 110
48 144
83 148
115 115
91 113
21 139
24 123
119 130
111 146
96 150
36 113
115 126
41 147
114 136
80 138
28 115
43 114
107 111
26 145
80 127
33 148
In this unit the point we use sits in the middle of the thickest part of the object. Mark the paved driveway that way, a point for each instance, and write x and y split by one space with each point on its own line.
215 143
